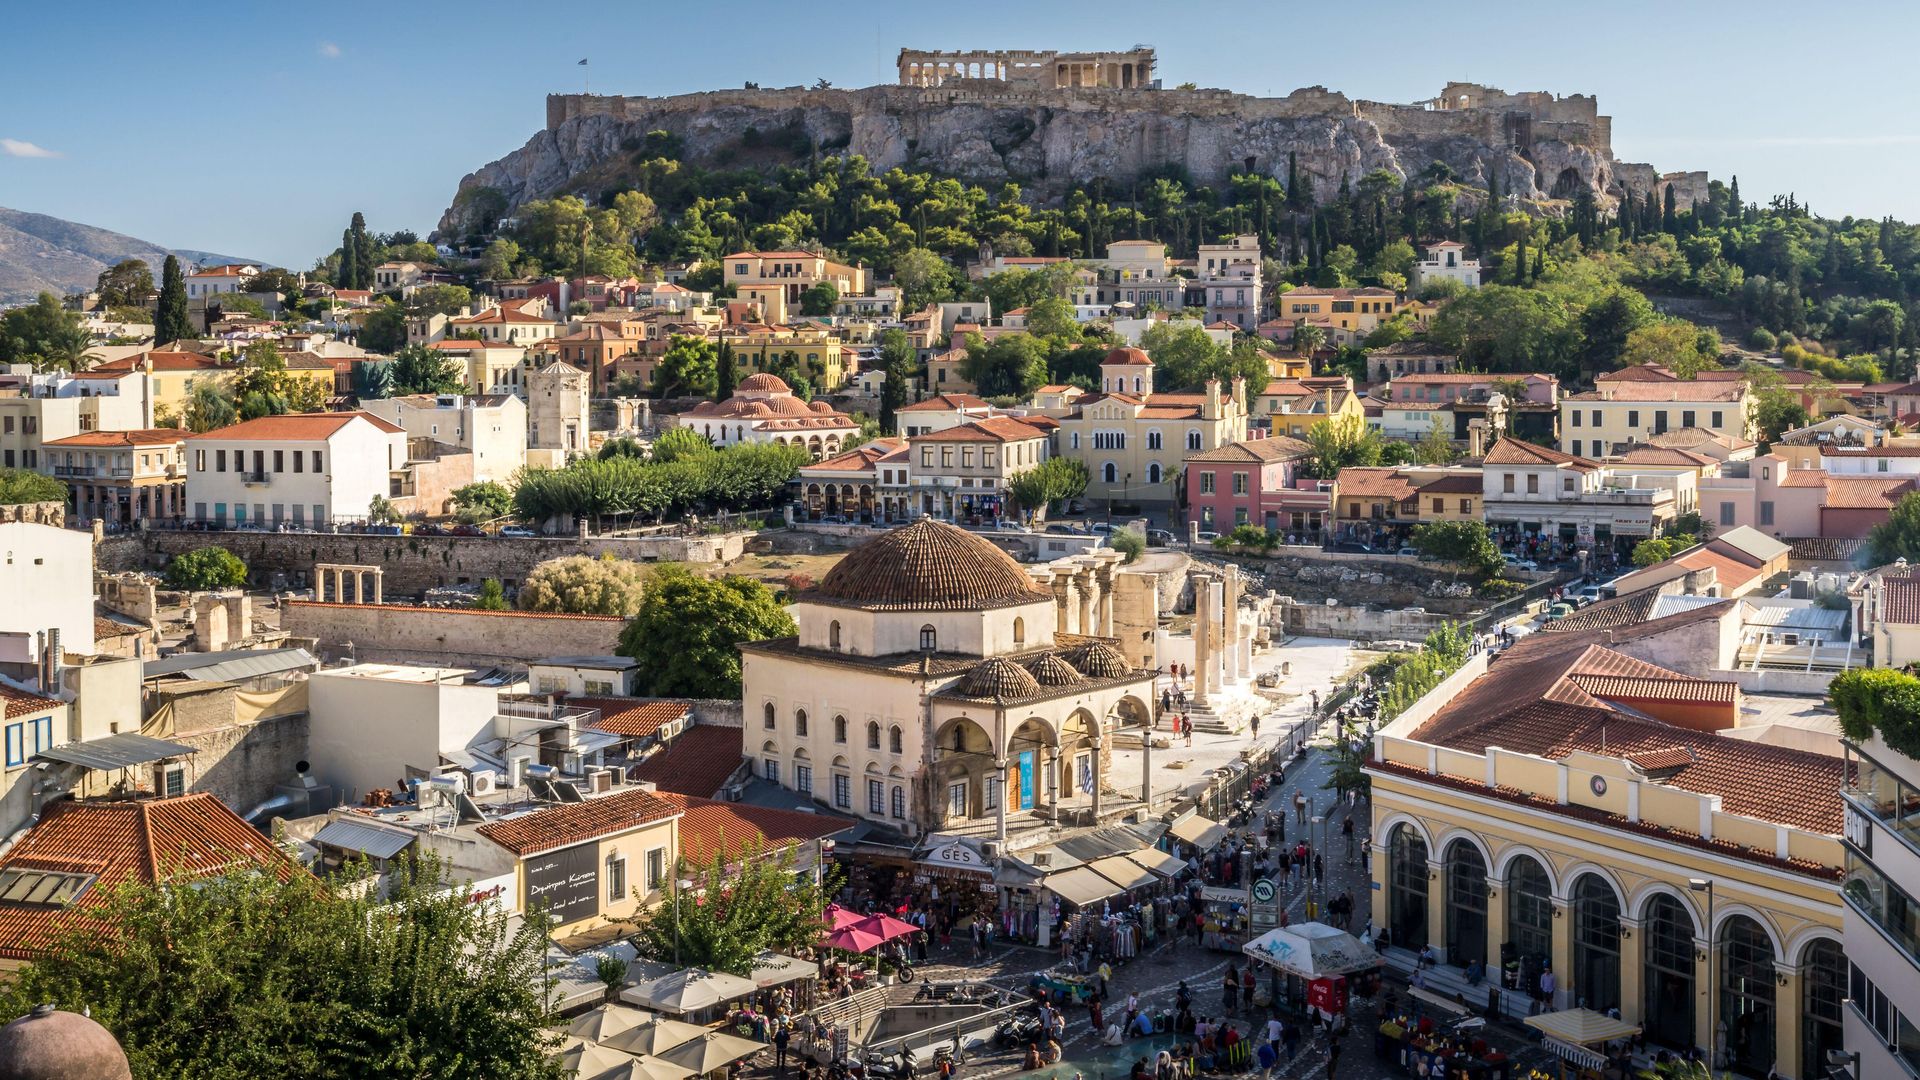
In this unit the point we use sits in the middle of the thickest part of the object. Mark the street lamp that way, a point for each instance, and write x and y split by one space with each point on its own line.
1705 885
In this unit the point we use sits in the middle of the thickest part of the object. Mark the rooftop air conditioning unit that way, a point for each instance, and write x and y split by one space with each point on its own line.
990 849
735 792
600 781
485 782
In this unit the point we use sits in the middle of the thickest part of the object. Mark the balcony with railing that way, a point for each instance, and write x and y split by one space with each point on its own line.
256 478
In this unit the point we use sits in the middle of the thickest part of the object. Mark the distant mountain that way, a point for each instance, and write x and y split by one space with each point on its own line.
47 254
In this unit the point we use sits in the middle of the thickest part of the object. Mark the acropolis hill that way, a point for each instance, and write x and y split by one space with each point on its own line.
1047 119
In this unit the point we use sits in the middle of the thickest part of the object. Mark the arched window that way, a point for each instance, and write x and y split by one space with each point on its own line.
1466 904
1153 472
893 739
840 729
767 717
1667 985
1076 440
1596 944
833 635
873 735
1136 384
1407 882
1823 989
1529 916
1019 630
1153 439
1110 473
1746 995
800 722
929 639
899 801
1193 439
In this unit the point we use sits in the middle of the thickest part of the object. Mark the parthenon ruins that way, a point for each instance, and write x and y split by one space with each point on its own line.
1039 69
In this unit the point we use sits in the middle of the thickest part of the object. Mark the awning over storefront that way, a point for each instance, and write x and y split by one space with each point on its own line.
1124 872
1080 886
1202 832
1582 1027
956 854
1161 863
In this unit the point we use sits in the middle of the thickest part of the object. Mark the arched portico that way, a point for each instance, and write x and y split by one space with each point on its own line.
965 784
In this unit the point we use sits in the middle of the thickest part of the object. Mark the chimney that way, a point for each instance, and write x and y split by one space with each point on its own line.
55 662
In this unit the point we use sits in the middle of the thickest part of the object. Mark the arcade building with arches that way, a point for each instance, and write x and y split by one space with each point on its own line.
1580 805
933 688
764 409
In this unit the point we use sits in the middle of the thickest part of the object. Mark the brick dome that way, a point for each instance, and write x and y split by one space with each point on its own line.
1049 670
1099 660
820 406
764 382
1126 354
999 678
928 566
48 1044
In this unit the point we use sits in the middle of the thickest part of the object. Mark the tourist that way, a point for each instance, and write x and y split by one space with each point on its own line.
1300 804
1032 1061
1230 990
1346 830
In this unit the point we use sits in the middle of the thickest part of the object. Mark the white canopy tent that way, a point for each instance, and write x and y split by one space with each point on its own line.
1312 951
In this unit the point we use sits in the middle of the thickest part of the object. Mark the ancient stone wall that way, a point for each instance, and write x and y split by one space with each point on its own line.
134 595
242 763
412 564
451 636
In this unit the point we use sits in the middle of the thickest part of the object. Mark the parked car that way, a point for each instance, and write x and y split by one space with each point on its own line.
1160 538
1515 562
1101 528
466 530
1559 611
1066 530
520 531
1208 536
429 530
1588 595
1408 550
1352 547
1008 525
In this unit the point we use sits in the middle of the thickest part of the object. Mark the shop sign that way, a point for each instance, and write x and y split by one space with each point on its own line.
566 883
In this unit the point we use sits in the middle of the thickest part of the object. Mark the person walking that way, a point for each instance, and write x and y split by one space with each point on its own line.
1254 720
1346 830
1230 991
1300 803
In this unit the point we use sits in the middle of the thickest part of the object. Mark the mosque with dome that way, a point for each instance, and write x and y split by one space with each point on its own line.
933 687
764 409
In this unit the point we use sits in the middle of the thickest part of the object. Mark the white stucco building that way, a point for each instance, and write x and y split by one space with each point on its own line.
492 426
1446 261
303 469
764 409
930 689
47 578
370 725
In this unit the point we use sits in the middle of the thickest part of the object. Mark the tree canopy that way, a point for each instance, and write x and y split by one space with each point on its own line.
201 569
688 626
1898 537
585 585
743 900
27 486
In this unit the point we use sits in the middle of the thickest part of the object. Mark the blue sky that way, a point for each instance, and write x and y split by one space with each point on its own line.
257 129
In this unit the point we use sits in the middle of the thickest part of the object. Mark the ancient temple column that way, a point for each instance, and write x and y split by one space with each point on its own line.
1083 581
379 586
1230 626
1061 583
1104 574
338 584
1202 636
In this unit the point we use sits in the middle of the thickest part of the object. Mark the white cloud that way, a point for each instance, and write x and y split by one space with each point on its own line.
23 148
329 50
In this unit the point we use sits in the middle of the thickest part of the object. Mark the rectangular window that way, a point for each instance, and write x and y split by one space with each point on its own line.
16 745
986 457
1506 482
966 457
770 769
1239 483
656 868
899 802
1596 418
876 797
843 791
173 781
1686 418
1717 422
991 794
1633 418
1533 483
1466 506
316 461
957 799
616 878
1439 505
259 461
1566 484
1206 483
1766 512
803 779
279 460
299 462
946 457
219 461
1576 418
926 457
199 461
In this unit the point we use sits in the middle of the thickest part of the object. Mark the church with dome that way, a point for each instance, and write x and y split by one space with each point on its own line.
764 409
932 688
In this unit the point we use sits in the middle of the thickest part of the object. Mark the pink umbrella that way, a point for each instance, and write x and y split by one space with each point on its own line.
839 918
886 927
854 939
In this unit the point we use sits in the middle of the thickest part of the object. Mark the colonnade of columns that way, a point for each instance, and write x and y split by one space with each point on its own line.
330 583
1082 592
1222 653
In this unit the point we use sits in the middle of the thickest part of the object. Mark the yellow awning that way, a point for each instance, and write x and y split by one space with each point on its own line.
1582 1027
1080 886
1201 832
1123 872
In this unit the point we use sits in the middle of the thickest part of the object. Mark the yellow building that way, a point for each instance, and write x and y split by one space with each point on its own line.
794 272
1135 440
819 354
1292 406
172 376
1634 405
1581 809
1357 311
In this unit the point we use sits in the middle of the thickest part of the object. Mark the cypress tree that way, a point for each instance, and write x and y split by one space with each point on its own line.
1736 210
1539 264
724 373
1293 181
1670 217
343 277
1520 261
1650 214
170 316
362 252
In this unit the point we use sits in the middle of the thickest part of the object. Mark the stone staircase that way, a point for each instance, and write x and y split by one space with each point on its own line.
1205 719
1450 982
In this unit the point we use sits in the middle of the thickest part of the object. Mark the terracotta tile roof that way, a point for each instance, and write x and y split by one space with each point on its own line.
1050 388
1688 437
860 457
133 840
1277 448
1610 687
1620 611
1664 455
1677 757
223 270
137 437
1374 483
1889 451
1826 548
392 608
1458 484
574 823
162 360
708 828
1126 356
991 429
632 717
947 403
112 628
1337 294
1866 493
1665 391
1899 605
498 315
1511 451
295 427
776 255
697 763
22 702
1638 373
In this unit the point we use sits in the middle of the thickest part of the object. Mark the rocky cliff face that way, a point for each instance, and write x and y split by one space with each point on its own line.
1046 141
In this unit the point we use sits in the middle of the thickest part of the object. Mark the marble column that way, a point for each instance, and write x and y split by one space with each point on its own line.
1104 575
1060 583
379 586
1202 636
1099 778
1230 626
1083 581
1050 767
1000 804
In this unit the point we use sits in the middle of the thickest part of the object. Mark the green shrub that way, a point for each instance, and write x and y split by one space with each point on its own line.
206 568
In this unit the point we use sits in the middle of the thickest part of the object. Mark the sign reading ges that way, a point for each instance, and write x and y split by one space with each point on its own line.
566 883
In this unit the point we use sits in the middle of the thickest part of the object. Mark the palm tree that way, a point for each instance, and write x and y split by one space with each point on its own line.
1307 338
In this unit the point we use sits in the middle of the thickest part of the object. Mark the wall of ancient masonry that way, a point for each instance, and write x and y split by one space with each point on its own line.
400 634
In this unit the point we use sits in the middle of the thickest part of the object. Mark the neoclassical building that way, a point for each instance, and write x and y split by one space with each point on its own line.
764 409
931 687
1581 806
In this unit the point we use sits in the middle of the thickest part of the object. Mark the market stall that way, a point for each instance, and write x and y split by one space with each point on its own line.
1159 862
1324 959
1081 886
1579 1038
1135 880
1227 918
1201 833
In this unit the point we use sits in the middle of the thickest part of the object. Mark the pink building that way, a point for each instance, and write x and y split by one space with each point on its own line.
1468 386
1256 482
1790 504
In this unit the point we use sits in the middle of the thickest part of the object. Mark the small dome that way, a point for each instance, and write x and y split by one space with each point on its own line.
820 406
928 566
764 382
1126 354
1049 670
999 678
1099 660
48 1044
756 408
